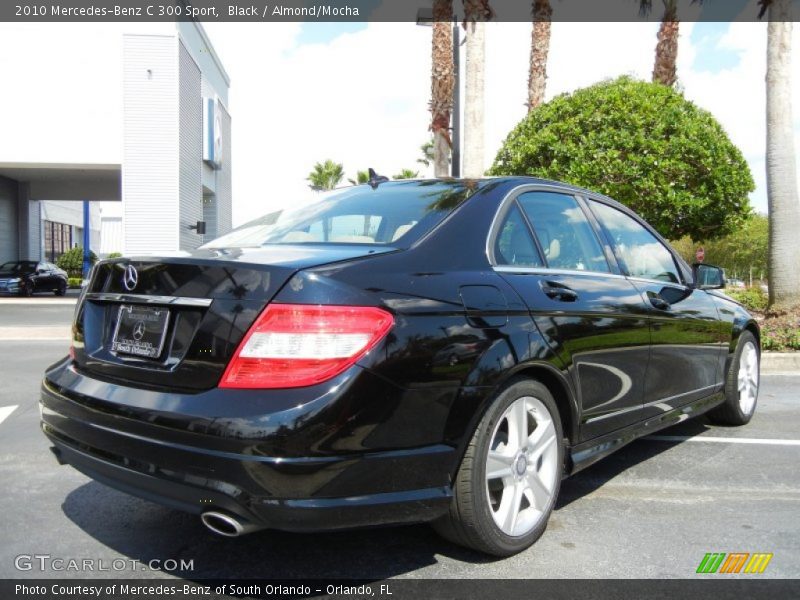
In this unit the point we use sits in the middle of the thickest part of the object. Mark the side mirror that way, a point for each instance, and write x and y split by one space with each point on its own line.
708 277
39 271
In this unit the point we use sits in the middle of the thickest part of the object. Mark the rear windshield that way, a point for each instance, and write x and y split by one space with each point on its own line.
394 214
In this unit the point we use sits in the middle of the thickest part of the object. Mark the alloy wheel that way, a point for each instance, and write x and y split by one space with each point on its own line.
522 466
747 380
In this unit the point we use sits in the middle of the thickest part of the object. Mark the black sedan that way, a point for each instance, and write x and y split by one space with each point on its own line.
440 351
25 277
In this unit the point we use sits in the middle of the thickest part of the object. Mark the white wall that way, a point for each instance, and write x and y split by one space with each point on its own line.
64 98
150 146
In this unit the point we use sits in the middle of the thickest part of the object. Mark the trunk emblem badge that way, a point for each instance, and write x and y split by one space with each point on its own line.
130 278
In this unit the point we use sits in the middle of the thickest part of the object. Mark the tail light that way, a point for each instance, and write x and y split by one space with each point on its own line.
296 345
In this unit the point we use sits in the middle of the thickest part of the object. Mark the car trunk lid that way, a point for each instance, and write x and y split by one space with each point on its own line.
174 322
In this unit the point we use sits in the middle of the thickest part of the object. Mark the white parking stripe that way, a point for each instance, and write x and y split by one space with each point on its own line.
722 440
5 411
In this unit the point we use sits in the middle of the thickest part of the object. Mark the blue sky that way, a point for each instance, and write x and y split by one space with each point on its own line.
711 56
325 33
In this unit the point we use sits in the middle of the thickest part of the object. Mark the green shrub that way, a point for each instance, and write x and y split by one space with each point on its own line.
644 145
72 261
751 298
780 337
74 282
115 255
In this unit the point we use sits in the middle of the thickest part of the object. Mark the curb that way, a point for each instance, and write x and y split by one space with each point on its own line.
774 362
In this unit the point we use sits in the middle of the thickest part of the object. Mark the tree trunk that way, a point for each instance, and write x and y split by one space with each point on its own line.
474 100
540 47
442 85
476 13
784 203
664 70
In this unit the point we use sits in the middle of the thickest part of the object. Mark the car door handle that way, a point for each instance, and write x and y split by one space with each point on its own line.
659 302
556 291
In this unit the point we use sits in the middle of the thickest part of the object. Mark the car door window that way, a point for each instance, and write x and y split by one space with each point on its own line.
639 251
564 232
514 244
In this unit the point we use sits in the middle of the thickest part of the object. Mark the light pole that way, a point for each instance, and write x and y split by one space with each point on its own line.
425 19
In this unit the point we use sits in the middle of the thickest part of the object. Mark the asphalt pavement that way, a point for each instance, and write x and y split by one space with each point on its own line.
652 510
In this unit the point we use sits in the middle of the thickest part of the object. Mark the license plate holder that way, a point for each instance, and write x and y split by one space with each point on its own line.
140 331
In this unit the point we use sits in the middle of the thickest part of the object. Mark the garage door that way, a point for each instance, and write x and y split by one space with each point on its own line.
8 229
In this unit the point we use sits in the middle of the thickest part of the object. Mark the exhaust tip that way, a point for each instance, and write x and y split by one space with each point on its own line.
222 524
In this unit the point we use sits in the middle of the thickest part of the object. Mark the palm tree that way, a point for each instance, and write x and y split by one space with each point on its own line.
361 177
326 176
540 48
664 68
782 193
476 13
406 174
442 85
427 154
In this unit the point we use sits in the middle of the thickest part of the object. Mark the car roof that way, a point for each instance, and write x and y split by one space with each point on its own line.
518 180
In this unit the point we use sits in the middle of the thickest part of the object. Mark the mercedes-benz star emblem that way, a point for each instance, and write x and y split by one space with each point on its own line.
130 278
138 331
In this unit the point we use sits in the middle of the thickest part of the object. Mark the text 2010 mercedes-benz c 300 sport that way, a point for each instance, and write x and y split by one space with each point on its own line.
440 351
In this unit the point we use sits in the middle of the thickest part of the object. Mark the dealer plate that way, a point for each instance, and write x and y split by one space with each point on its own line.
140 331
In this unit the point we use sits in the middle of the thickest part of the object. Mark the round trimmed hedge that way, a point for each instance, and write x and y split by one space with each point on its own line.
642 144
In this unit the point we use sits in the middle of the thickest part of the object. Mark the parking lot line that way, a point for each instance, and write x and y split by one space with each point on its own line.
5 411
722 440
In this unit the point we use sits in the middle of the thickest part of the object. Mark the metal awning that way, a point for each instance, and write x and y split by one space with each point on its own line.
63 181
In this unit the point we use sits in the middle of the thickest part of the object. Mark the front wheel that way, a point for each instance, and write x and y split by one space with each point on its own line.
509 479
741 384
61 289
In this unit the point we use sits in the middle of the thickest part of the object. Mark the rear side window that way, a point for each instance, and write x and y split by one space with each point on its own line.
639 251
515 245
565 234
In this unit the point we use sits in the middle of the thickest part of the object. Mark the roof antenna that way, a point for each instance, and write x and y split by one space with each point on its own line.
375 180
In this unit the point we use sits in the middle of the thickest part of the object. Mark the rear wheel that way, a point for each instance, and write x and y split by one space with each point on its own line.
741 384
26 288
509 479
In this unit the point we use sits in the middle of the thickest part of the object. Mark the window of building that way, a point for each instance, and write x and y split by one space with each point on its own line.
57 239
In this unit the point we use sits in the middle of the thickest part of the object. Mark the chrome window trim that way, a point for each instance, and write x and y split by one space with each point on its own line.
509 199
148 299
503 207
677 284
546 272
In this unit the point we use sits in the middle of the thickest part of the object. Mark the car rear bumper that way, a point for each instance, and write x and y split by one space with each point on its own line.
175 459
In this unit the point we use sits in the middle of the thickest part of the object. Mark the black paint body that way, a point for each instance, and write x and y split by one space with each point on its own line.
381 442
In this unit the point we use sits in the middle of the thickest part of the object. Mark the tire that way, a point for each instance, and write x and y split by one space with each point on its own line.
27 290
61 289
480 512
741 384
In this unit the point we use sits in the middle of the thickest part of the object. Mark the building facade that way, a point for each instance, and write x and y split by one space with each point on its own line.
141 128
